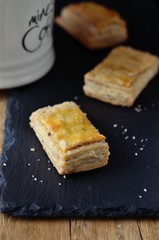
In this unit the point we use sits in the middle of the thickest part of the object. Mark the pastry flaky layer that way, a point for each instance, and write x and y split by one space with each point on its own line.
93 24
71 142
121 76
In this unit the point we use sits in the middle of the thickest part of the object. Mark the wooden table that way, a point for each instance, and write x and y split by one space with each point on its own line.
72 229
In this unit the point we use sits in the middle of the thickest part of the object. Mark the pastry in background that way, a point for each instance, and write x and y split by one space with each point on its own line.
71 142
121 76
92 24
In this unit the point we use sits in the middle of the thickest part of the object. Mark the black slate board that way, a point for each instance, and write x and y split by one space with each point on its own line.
128 186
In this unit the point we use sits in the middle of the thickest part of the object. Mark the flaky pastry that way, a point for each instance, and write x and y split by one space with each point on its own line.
71 142
92 24
121 76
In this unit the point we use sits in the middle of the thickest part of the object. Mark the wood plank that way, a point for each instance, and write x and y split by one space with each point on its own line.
149 229
105 230
16 228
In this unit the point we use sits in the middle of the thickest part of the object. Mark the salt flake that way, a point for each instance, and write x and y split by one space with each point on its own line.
32 149
75 98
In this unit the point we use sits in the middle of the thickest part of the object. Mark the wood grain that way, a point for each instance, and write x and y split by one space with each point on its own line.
105 230
149 229
21 229
75 229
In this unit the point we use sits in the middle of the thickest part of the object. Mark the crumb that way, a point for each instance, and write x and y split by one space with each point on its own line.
32 149
75 98
137 109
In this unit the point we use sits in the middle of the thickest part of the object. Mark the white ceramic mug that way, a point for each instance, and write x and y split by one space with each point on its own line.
26 51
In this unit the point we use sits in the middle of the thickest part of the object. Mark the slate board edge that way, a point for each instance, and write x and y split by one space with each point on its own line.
58 211
8 142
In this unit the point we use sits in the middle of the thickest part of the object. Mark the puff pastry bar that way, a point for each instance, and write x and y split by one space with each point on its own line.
121 76
71 142
93 24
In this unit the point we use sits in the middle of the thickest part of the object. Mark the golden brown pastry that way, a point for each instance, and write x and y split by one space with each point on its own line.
121 76
93 24
71 142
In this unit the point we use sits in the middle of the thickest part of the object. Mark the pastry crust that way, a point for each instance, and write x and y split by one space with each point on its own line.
72 143
121 76
93 24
